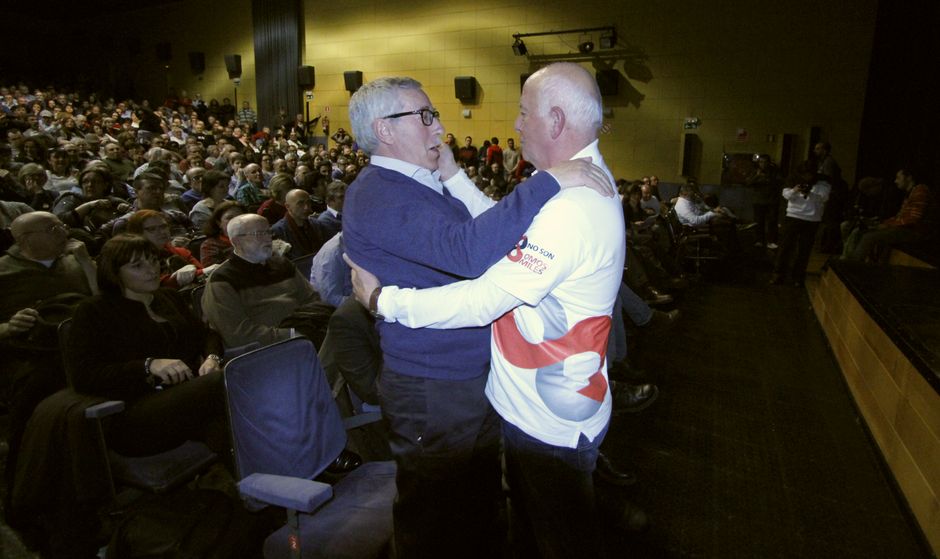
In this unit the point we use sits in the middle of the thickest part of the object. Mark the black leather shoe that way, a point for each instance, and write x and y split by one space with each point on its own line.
776 279
661 321
346 462
607 472
622 514
677 284
654 297
633 398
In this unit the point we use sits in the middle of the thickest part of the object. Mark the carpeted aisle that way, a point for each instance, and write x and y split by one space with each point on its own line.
753 448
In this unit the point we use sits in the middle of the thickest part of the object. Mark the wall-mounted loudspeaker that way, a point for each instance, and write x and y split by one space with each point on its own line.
608 81
353 79
465 88
306 77
164 52
197 62
233 64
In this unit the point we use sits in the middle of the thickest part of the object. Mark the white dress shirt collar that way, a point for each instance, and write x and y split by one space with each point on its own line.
428 178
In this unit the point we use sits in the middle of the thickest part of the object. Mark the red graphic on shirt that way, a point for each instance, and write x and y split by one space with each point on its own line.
589 335
515 254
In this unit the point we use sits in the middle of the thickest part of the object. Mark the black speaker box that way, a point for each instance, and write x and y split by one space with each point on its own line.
233 63
353 79
608 81
164 52
306 77
197 62
465 88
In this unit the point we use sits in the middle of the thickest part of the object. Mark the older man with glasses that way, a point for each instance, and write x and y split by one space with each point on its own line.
42 277
249 296
403 222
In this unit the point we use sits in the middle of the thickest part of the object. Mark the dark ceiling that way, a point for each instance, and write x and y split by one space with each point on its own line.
77 10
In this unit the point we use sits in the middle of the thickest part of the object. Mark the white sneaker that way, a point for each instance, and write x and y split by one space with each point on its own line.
772 246
758 244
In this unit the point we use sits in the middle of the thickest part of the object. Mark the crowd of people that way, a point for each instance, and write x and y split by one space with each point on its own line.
114 212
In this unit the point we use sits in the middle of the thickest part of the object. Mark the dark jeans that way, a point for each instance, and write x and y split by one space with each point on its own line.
766 216
444 436
798 236
554 514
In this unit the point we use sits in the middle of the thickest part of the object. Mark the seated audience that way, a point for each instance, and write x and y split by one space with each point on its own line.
215 190
304 234
917 220
251 296
133 340
273 209
88 211
351 350
34 179
329 273
194 179
151 191
178 267
42 278
217 248
332 218
251 192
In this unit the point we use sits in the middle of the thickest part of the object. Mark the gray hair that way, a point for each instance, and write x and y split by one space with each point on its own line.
572 88
159 154
373 101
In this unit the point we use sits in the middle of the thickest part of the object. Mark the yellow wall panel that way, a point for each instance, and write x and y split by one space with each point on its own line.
749 71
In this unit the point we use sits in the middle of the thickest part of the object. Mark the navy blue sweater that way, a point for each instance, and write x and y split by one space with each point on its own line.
410 236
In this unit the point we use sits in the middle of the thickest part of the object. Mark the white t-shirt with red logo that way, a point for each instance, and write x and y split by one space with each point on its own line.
549 374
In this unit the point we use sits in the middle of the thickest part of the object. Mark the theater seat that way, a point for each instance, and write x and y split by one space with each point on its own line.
286 430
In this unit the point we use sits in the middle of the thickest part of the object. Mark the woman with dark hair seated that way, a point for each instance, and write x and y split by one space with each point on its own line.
94 206
178 268
217 248
142 344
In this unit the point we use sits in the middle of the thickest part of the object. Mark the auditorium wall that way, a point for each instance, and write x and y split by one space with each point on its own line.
749 72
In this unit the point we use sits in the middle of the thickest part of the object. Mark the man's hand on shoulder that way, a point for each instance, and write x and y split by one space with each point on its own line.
581 172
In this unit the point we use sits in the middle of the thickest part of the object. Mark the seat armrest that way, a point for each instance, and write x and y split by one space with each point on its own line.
292 493
104 409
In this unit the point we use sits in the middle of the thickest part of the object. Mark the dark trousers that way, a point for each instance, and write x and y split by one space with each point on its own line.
798 236
554 513
444 436
163 420
766 216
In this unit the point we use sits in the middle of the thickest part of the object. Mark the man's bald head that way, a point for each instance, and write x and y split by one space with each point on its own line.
298 205
561 113
39 235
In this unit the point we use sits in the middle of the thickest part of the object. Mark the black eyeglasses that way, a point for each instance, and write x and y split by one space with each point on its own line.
427 115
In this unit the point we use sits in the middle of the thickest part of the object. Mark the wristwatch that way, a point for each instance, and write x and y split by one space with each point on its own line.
374 303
